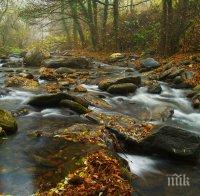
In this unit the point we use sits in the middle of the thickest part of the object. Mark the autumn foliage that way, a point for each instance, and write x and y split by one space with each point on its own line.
99 175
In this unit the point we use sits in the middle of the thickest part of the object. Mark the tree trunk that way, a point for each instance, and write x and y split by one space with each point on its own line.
88 14
180 23
166 28
65 28
73 7
95 12
104 22
116 23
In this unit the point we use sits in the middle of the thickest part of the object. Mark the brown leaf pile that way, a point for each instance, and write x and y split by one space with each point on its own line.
100 175
17 81
94 135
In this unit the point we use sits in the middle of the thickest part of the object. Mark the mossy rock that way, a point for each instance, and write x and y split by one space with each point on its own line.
122 89
74 106
8 123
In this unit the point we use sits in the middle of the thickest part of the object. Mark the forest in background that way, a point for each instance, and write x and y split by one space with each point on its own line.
158 27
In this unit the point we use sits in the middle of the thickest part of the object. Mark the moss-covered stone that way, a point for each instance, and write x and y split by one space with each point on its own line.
8 123
122 89
74 106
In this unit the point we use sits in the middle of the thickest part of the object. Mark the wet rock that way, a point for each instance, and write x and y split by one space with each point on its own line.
185 62
197 88
154 88
8 124
178 80
74 106
149 64
18 81
71 62
35 57
174 142
13 62
174 75
79 99
175 72
187 75
105 84
78 62
47 74
131 79
123 126
196 101
80 89
196 58
26 75
47 99
4 91
97 101
115 57
161 113
122 89
64 70
52 87
55 62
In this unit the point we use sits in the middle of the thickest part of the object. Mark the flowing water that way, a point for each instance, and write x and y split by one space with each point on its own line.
25 162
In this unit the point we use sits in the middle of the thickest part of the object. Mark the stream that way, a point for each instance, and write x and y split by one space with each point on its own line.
21 173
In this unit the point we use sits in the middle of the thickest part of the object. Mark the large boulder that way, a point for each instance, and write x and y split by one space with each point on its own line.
167 141
122 89
35 57
8 124
149 63
47 99
174 142
105 84
71 62
50 100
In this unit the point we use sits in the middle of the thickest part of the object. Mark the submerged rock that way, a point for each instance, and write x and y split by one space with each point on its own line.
8 124
122 89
